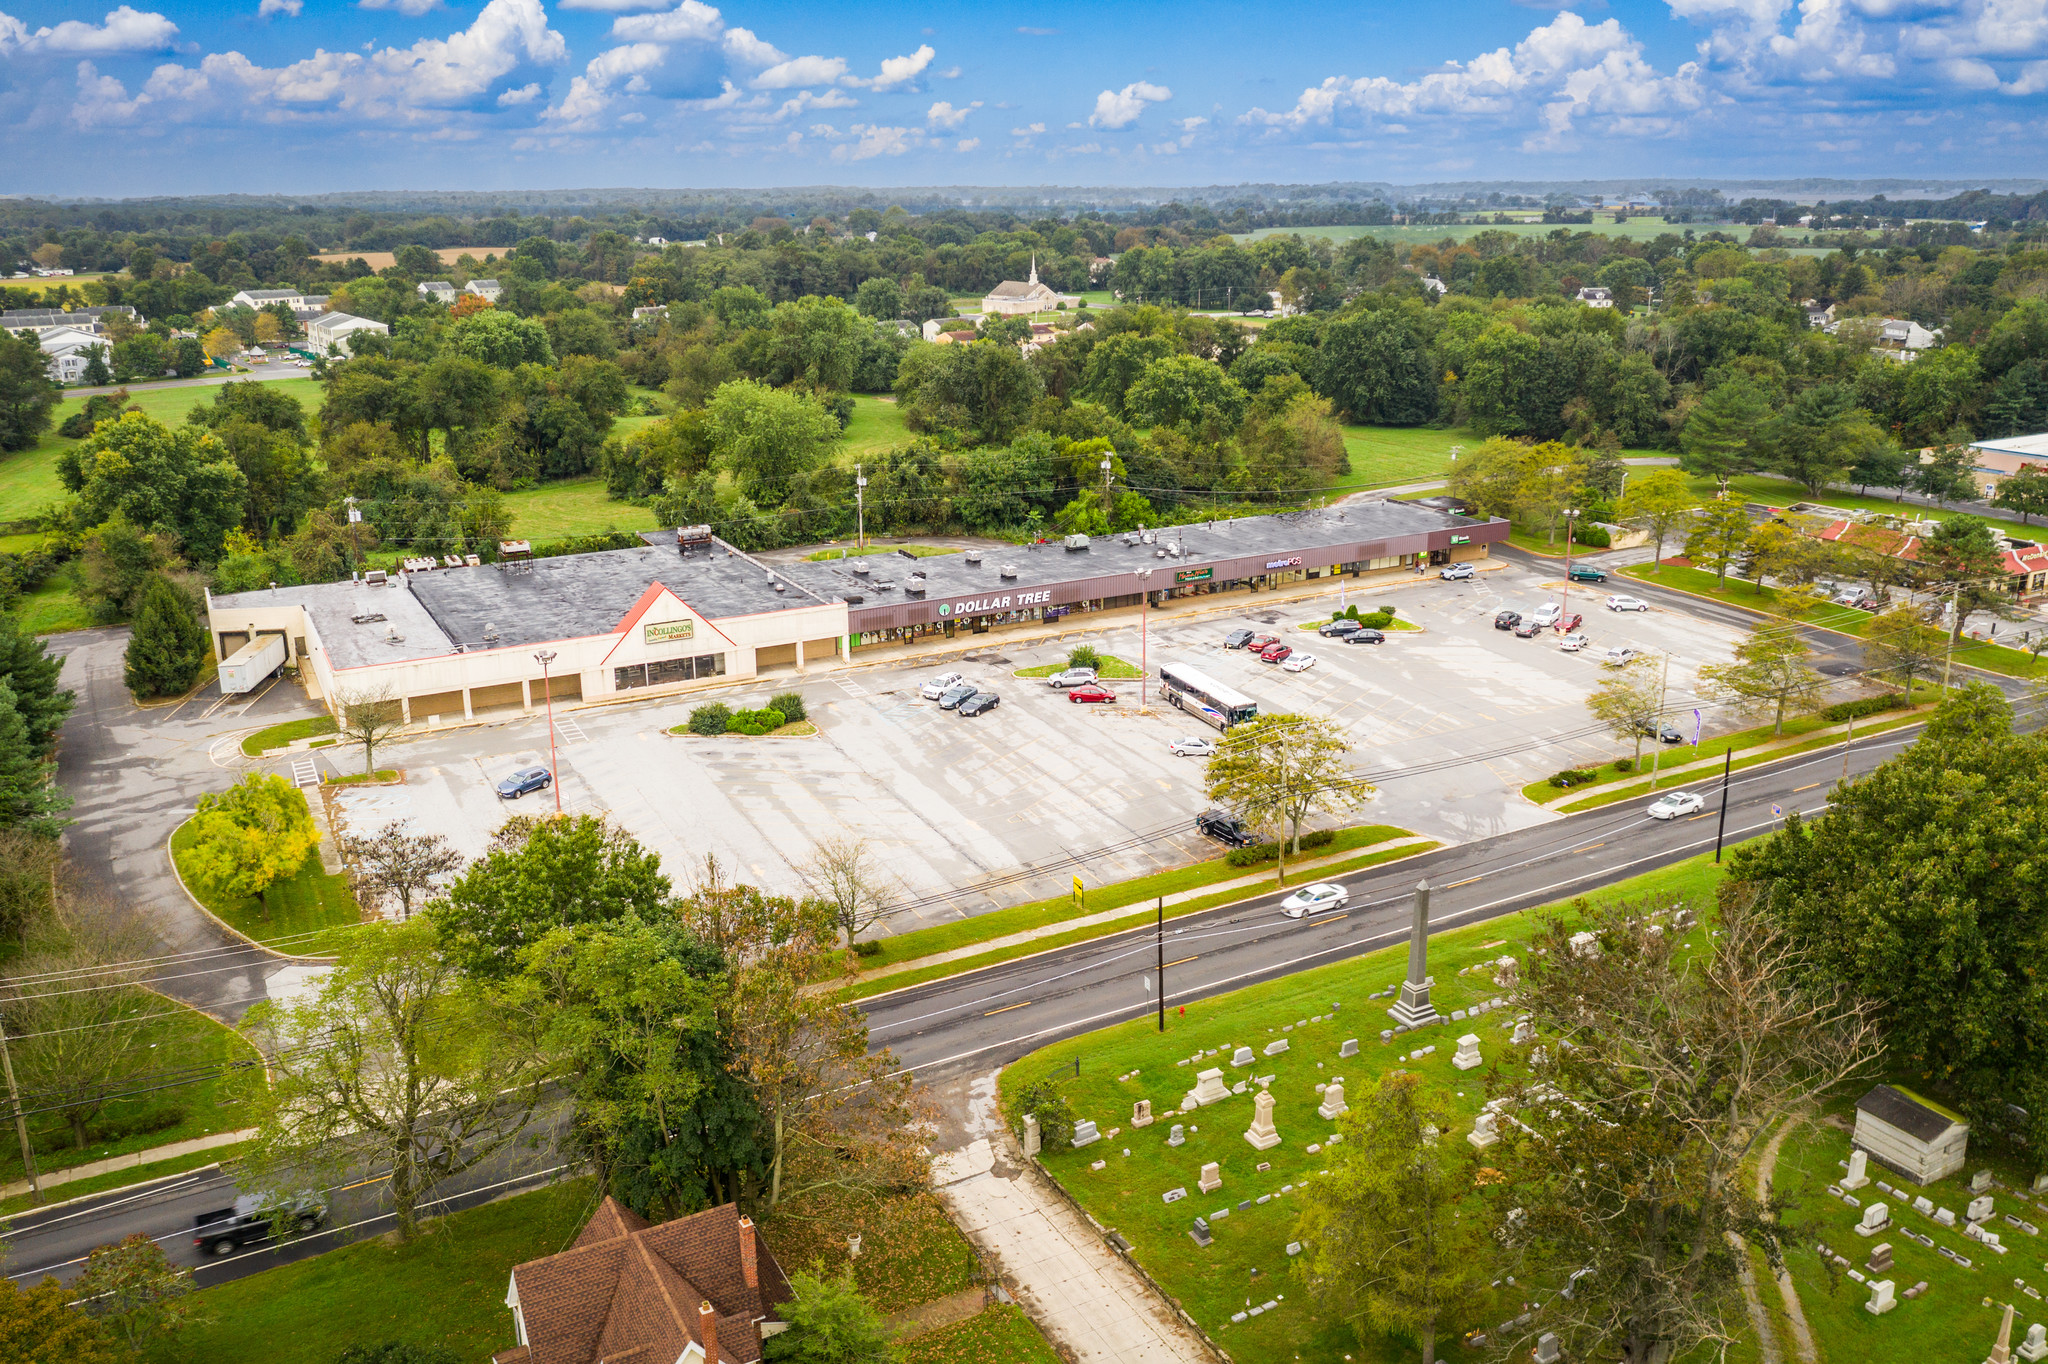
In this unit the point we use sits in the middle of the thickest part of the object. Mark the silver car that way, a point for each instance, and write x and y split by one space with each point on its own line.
1192 746
1072 677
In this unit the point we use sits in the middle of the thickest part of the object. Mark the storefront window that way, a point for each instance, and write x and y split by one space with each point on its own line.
662 672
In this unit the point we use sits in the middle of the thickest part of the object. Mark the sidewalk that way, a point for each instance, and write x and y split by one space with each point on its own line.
1253 882
53 1178
1088 1301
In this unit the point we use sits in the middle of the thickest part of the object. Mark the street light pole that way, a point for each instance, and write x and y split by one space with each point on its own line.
1159 943
1144 634
1564 602
860 503
547 656
1721 826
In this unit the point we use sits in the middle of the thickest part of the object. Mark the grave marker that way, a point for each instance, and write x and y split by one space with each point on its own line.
1881 1299
1212 1178
1141 1113
1085 1133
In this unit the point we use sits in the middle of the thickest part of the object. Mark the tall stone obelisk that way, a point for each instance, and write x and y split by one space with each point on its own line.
1414 1008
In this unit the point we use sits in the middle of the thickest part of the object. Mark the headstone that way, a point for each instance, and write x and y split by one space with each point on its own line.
1979 1209
1333 1102
1201 1233
1177 1136
1945 1216
1212 1178
1548 1350
1219 1214
1141 1113
1099 1165
1483 1131
1350 1047
1413 1009
1242 1057
1880 1261
1876 1218
1238 1088
1468 1056
1032 1139
2041 1183
1261 1134
1085 1133
1457 1015
1859 1162
1209 1088
1274 1048
1265 1198
1525 1033
2001 1353
1506 971
1293 1249
1881 1299
1923 1205
2035 1346
1980 1181
1173 1195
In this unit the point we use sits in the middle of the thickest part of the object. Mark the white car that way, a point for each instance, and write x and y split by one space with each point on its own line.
1191 746
940 685
1458 573
1313 899
1672 804
1571 644
1627 604
1547 614
1619 655
1072 677
1298 663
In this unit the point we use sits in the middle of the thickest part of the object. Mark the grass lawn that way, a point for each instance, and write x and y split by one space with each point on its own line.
123 1178
1110 667
1394 623
382 776
168 1037
1000 1333
575 506
299 910
1315 1011
446 1289
855 552
877 426
910 1250
1382 456
277 736
1778 492
54 607
1994 658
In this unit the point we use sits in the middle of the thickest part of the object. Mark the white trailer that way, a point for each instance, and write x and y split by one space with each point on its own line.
250 664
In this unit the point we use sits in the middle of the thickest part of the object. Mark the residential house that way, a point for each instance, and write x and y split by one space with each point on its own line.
957 338
67 351
1013 297
1434 285
1902 334
1818 314
330 330
1596 297
437 290
40 320
652 310
2025 561
1999 459
259 299
699 1290
1042 334
485 289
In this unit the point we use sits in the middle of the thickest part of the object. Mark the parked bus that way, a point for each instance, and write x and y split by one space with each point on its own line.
1203 696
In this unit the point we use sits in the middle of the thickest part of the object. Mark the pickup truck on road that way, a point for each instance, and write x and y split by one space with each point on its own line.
226 1230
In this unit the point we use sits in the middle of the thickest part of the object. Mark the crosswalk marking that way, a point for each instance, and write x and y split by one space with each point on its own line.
571 731
304 773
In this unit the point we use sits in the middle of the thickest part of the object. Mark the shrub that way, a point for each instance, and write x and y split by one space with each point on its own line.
1624 764
1055 1115
137 1125
1592 536
710 719
1862 706
790 704
396 1352
867 948
1083 656
1270 852
1375 620
841 406
1572 776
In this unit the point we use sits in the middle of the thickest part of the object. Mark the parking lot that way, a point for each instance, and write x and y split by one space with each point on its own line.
950 803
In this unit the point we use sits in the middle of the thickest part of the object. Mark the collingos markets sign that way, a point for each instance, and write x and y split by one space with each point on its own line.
975 606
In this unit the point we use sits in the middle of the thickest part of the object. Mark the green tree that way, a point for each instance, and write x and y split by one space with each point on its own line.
1945 476
133 1287
829 1323
1963 563
1630 700
1879 464
1184 391
30 798
1770 675
28 399
1277 770
815 343
880 298
1392 1237
1818 437
1662 503
498 338
179 481
1718 538
541 874
769 440
168 647
97 372
1716 440
1901 642
397 1063
27 666
40 1325
1377 367
251 836
2025 492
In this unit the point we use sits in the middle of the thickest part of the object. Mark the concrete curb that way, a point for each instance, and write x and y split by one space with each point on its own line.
284 958
104 1193
71 1174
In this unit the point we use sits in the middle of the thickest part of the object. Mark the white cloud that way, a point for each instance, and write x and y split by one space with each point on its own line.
944 115
900 70
1120 108
1028 130
742 46
967 144
525 94
613 6
124 30
871 140
808 99
410 8
787 75
589 94
287 7
951 73
688 22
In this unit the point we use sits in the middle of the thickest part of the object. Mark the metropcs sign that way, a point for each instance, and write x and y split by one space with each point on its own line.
975 606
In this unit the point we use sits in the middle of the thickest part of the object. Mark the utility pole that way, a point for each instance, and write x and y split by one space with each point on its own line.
355 550
1721 826
1847 742
547 656
28 1152
1564 601
1159 942
1144 634
860 504
1108 517
1663 691
1948 657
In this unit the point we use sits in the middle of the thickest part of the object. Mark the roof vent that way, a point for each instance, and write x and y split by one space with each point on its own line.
885 587
1159 554
852 598
861 570
972 556
1147 536
368 618
1008 571
375 575
776 585
490 632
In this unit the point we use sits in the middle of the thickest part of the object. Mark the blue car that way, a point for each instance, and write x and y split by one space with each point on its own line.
524 780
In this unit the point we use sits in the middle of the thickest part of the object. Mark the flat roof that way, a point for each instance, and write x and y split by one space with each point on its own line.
2015 445
405 633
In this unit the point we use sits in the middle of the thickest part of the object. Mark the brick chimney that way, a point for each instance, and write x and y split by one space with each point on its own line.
750 1260
707 1332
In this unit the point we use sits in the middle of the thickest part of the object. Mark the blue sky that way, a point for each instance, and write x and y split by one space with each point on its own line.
302 96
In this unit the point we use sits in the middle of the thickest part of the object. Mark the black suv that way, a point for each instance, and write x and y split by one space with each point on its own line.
1338 628
1237 639
226 1230
1507 620
1225 828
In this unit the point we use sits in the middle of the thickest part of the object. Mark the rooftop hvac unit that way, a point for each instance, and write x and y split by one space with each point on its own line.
693 537
852 598
1008 571
1175 549
972 556
778 587
885 587
1076 542
374 576
1147 536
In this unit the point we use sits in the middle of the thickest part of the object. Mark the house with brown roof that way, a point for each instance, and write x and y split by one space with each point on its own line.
699 1290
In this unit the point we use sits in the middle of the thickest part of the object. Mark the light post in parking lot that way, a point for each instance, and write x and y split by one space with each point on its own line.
1144 634
1564 602
547 656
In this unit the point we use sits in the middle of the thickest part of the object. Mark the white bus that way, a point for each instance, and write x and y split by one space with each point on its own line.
1204 697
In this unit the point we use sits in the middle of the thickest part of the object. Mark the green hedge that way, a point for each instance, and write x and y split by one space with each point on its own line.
1573 776
754 723
1862 706
1270 852
711 719
1591 536
790 704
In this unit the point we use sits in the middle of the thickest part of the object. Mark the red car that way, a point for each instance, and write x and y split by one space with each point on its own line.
1278 653
1569 623
1090 692
1261 644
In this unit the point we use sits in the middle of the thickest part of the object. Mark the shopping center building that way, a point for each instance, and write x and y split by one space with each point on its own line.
688 610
